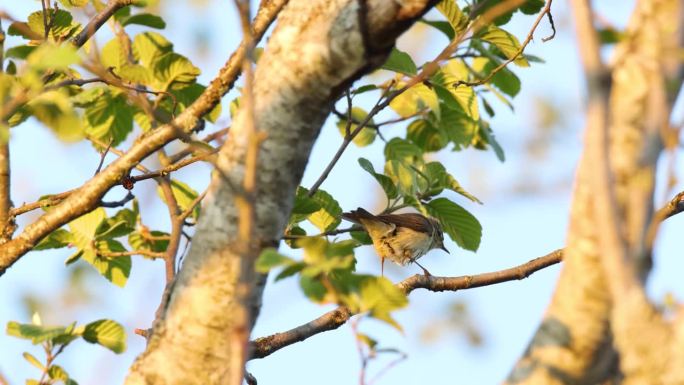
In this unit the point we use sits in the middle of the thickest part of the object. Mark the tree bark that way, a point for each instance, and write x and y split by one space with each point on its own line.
593 329
317 50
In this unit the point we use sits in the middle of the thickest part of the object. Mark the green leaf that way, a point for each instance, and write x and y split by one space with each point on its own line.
146 19
148 46
365 88
35 333
414 100
399 61
456 221
269 259
505 80
107 333
294 231
490 139
456 18
172 69
385 182
20 51
532 7
121 224
402 175
328 217
303 206
84 227
610 35
442 26
380 297
187 95
114 269
56 372
367 134
439 175
52 57
426 135
312 288
74 3
459 127
400 149
54 109
149 240
33 361
113 54
56 240
184 195
61 24
507 43
109 117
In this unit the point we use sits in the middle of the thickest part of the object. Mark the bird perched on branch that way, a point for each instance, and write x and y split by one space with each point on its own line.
401 238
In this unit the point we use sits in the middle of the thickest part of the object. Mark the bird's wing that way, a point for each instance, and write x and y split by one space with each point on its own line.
412 221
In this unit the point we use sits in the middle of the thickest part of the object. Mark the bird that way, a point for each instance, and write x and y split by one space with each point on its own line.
401 238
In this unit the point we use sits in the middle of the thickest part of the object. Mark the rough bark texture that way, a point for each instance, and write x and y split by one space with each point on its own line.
575 342
317 49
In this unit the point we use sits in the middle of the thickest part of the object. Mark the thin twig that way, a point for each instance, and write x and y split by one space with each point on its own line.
262 347
530 35
103 155
146 253
99 19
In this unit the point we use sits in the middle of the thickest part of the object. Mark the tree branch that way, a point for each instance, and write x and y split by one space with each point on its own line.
265 346
96 22
88 196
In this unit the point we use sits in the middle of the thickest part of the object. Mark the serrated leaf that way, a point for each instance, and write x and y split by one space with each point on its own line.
399 61
188 94
148 46
150 241
269 259
113 54
107 333
328 217
400 149
439 175
56 240
507 43
459 127
380 297
442 26
146 19
426 135
122 223
414 100
54 109
109 118
61 24
385 182
402 175
172 68
84 227
366 136
184 195
114 269
505 80
456 221
456 18
35 333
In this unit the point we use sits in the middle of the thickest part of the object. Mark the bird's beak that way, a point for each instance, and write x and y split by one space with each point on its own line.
445 249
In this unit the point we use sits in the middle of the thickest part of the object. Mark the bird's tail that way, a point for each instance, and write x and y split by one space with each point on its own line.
357 215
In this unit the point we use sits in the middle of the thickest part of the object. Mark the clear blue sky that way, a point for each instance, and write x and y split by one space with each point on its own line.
518 225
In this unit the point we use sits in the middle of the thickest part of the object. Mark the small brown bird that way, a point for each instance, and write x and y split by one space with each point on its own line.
401 238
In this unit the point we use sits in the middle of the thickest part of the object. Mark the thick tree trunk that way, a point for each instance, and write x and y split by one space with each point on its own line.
318 48
592 301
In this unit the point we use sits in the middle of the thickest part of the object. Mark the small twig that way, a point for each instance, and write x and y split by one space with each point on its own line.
102 156
331 232
129 197
553 26
146 253
191 148
173 167
99 19
182 216
250 379
530 35
262 347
